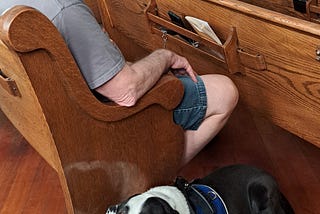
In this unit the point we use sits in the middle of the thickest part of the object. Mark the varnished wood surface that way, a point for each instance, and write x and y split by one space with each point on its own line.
29 185
86 141
287 92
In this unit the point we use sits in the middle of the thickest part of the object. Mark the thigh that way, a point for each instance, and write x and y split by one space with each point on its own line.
192 109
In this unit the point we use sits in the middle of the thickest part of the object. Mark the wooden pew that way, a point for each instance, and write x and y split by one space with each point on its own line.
101 152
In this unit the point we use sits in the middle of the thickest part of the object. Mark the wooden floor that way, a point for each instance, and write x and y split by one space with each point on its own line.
29 185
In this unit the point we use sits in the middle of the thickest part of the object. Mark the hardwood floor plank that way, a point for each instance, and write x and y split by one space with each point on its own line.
312 156
46 194
6 178
292 169
248 147
11 155
20 188
239 142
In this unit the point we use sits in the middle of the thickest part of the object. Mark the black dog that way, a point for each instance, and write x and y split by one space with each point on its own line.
236 189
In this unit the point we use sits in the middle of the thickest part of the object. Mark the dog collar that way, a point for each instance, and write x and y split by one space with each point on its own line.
205 200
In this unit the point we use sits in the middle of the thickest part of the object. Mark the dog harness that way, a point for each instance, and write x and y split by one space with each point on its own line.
205 200
202 199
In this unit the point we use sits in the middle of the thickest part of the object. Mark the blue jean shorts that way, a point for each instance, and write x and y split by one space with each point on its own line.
191 111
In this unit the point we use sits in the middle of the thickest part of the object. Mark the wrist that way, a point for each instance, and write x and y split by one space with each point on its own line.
167 57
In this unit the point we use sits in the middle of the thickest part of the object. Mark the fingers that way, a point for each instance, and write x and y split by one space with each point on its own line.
192 74
181 66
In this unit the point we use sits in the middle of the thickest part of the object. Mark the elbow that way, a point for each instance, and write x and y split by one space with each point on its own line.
127 99
130 94
123 96
125 88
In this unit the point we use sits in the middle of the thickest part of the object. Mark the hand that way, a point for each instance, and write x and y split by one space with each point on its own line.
181 66
183 72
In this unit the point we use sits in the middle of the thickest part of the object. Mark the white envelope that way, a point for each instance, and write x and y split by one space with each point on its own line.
203 28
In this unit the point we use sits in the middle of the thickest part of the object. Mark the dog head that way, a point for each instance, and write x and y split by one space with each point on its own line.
264 197
158 200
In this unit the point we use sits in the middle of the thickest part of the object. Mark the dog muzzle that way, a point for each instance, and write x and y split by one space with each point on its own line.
112 210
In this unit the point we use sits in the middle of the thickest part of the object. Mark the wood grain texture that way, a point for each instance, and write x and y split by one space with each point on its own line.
251 139
247 139
86 141
287 92
281 6
28 183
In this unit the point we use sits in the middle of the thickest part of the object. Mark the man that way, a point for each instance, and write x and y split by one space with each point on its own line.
208 100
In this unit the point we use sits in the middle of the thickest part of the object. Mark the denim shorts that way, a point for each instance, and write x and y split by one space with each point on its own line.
191 111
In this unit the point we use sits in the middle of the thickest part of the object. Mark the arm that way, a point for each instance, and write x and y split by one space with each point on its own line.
134 80
103 65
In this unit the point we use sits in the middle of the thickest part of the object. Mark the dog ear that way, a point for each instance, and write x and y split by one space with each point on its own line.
266 198
258 197
155 205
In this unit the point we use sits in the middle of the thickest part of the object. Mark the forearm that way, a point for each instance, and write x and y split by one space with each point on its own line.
149 70
134 80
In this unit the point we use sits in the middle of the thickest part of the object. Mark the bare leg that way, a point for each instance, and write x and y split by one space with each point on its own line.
222 97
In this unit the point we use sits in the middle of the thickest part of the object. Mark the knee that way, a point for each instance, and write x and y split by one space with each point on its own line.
222 94
230 94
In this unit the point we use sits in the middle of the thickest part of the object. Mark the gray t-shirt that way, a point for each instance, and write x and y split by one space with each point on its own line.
97 57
